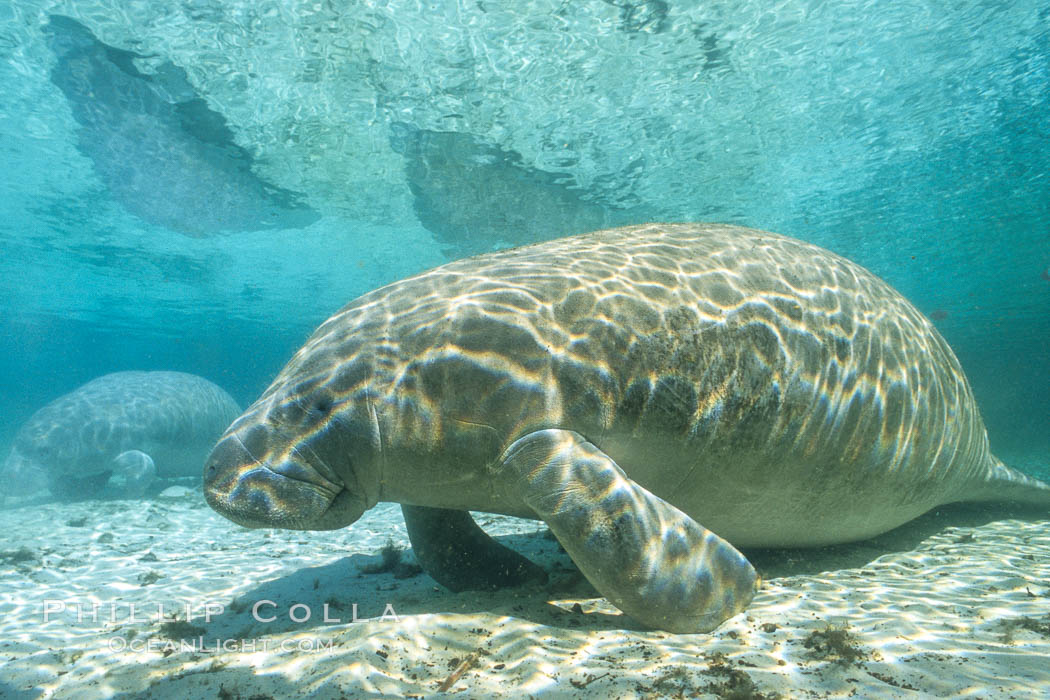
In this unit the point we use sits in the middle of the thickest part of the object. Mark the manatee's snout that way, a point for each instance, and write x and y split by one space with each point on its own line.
21 476
257 477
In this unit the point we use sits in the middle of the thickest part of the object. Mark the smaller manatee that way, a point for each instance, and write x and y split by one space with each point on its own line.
138 425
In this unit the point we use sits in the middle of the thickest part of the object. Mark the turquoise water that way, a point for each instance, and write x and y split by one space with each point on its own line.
195 186
909 137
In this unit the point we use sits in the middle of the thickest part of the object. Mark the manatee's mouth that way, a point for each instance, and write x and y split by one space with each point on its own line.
289 492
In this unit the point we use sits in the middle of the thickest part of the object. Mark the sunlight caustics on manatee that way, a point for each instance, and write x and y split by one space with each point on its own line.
658 395
160 150
157 155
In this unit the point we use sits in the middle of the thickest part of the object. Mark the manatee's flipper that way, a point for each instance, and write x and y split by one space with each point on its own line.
648 558
458 554
138 471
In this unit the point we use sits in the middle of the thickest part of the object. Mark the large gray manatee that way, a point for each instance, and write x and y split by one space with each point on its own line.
657 394
139 425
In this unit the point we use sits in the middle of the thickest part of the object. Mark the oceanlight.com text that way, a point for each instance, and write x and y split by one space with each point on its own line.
203 645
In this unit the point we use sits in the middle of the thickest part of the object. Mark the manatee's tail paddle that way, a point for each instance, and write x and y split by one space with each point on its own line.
1003 483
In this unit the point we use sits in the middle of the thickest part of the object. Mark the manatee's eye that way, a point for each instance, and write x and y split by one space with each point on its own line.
322 406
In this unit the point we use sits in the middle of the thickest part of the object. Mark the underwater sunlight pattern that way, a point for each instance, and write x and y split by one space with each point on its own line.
671 459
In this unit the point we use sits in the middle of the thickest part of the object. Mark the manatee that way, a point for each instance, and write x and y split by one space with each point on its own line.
659 395
140 425
163 153
471 194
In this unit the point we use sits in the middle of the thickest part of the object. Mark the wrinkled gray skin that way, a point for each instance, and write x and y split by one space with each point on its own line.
657 394
139 425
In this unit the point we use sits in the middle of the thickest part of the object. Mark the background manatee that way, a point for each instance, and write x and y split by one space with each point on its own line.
140 425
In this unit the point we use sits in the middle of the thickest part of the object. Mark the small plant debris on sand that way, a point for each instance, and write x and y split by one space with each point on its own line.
226 694
736 685
588 679
390 563
150 577
180 629
460 668
1009 627
22 555
730 683
836 643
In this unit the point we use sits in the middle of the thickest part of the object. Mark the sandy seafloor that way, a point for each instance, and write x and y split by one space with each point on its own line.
955 604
